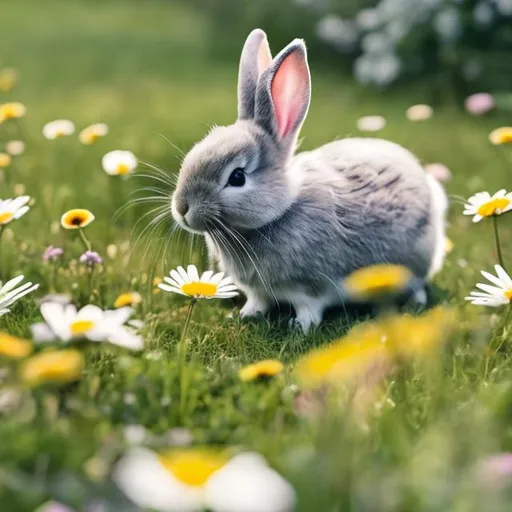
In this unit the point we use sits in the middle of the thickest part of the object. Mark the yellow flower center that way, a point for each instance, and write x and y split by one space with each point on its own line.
56 366
493 207
127 299
193 467
5 217
14 348
122 169
369 282
508 294
80 327
197 289
261 370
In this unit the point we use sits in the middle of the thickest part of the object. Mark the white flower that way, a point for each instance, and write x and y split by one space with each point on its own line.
10 294
340 33
208 286
368 19
92 133
15 147
380 70
447 24
371 123
58 128
11 209
493 295
419 112
190 480
483 205
65 323
119 163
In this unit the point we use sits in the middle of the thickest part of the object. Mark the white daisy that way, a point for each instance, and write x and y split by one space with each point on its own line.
484 205
58 128
119 163
419 112
493 296
9 294
12 209
191 479
208 286
92 133
15 147
371 123
65 323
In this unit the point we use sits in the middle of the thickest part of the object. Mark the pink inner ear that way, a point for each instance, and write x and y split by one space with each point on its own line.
289 92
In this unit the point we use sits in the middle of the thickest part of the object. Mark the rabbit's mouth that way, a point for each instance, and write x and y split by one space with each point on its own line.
185 218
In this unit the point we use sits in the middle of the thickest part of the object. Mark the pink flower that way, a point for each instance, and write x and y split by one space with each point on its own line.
52 253
496 470
439 171
91 258
480 103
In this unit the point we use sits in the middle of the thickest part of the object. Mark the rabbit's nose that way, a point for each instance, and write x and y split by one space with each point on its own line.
182 208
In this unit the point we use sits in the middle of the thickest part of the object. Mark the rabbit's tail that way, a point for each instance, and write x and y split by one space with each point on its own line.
439 209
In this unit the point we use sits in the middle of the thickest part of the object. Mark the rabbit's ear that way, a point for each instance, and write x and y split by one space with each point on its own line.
255 59
283 95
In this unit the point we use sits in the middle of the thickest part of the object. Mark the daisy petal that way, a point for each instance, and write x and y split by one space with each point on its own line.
502 274
177 277
192 273
206 276
183 274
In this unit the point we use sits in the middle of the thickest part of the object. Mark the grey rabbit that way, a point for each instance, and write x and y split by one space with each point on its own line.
289 228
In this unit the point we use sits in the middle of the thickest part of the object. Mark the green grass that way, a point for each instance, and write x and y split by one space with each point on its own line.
143 68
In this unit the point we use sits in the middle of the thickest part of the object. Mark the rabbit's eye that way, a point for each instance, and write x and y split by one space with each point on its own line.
237 178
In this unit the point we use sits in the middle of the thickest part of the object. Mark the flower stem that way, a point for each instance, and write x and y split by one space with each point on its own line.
84 239
497 238
182 352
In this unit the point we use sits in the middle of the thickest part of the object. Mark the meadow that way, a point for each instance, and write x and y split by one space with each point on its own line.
434 433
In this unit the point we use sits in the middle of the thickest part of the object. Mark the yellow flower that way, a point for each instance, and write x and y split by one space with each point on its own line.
55 366
13 347
363 350
92 133
423 335
156 282
127 299
377 281
5 160
501 135
8 78
261 370
77 218
448 245
13 110
369 350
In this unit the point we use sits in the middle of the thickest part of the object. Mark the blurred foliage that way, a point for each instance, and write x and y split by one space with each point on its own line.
466 44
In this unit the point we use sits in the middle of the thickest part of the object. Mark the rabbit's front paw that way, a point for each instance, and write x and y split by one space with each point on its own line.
309 314
253 307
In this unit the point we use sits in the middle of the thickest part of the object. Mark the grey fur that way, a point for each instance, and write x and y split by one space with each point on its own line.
249 74
302 223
